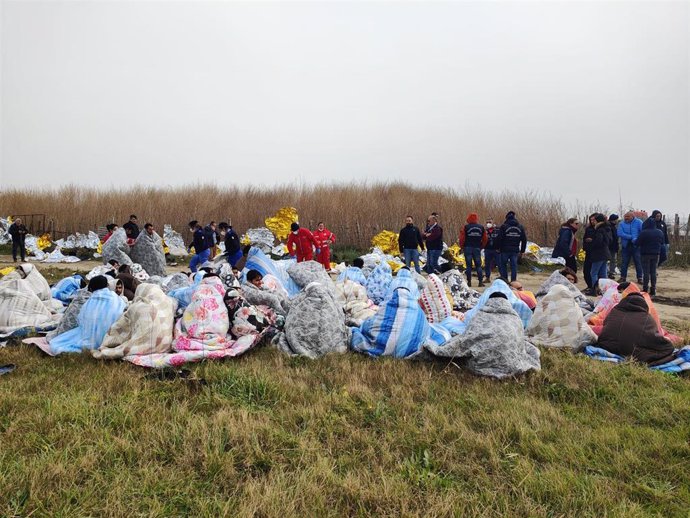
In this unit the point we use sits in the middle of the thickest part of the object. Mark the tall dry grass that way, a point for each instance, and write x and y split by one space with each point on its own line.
353 212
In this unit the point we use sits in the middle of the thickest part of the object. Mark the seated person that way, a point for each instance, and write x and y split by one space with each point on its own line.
630 331
256 294
354 272
525 296
129 282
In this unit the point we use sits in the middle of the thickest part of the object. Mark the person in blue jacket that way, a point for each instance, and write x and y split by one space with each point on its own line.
650 242
628 232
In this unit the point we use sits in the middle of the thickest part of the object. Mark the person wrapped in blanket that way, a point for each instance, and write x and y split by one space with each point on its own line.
524 295
246 319
255 293
354 272
66 289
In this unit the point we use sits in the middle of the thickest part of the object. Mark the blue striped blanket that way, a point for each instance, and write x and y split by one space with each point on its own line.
523 311
354 274
259 261
679 364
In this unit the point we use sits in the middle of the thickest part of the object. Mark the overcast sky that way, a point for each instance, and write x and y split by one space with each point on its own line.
582 99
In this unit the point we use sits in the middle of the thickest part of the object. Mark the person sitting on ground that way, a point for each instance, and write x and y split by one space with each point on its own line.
650 242
256 294
118 287
129 282
233 247
354 272
200 242
569 274
301 243
566 244
525 296
113 268
110 227
131 229
630 331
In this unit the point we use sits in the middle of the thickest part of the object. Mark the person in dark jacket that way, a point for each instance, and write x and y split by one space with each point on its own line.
233 247
18 233
661 225
129 282
614 246
512 242
212 238
131 228
630 331
586 246
433 237
492 255
472 239
409 239
651 242
566 244
200 242
599 251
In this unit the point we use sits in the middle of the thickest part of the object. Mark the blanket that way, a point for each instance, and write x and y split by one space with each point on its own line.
246 320
145 328
378 282
307 272
404 279
69 317
584 303
116 247
354 274
276 300
680 362
498 285
66 288
21 310
259 261
33 278
148 252
434 301
463 296
95 318
315 325
493 343
183 294
558 322
352 297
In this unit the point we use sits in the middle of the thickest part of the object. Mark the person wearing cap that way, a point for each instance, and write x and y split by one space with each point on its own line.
628 231
614 245
301 243
512 240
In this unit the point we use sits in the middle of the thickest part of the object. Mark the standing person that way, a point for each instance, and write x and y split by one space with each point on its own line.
628 231
472 239
131 228
492 255
409 239
18 233
512 240
212 239
233 248
614 246
325 238
599 251
651 242
587 246
201 246
433 237
566 244
301 243
661 225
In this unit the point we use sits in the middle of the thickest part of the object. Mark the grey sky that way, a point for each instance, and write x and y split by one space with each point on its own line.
580 99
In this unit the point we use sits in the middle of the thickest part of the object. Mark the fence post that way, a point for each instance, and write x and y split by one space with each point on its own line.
546 234
676 227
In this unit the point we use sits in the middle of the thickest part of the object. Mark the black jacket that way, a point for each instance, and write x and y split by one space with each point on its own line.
492 239
409 238
512 237
614 245
651 238
589 234
599 247
131 229
661 225
232 242
200 241
18 233
435 240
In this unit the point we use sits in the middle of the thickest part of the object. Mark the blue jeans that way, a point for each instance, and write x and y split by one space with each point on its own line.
598 272
412 255
473 255
491 258
503 265
432 257
631 252
199 259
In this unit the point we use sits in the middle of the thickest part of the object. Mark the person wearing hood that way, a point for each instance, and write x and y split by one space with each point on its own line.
433 236
614 245
587 246
599 251
628 231
650 242
233 246
661 225
325 238
492 255
472 239
409 242
301 243
512 240
566 244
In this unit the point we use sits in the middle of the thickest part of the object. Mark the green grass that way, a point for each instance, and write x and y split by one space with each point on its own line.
269 435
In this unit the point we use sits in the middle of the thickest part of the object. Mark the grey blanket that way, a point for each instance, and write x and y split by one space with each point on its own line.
148 252
308 272
556 278
264 297
69 318
117 248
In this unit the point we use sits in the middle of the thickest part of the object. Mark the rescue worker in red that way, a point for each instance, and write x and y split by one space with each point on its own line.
325 238
300 243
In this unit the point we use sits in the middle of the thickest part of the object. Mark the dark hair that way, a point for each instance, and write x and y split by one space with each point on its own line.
193 224
212 222
113 262
110 226
498 295
253 275
319 223
133 216
408 216
358 262
600 218
570 221
294 226
98 283
222 225
593 215
82 282
124 268
623 285
207 269
246 249
148 225
568 271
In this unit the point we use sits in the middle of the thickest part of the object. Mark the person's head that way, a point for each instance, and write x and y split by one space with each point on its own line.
569 274
149 229
510 214
223 226
320 226
656 214
212 224
431 220
649 223
110 227
498 295
119 287
124 269
592 219
254 277
599 218
516 286
613 219
409 221
114 263
573 222
358 262
489 222
472 218
628 216
133 218
194 225
98 283
294 228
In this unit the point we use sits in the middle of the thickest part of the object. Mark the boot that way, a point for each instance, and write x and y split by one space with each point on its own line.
469 281
652 292
639 280
481 284
645 289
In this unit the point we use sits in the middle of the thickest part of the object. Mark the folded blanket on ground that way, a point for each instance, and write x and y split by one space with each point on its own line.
66 288
558 322
352 297
378 282
145 328
493 343
498 285
463 296
315 325
116 248
585 304
680 363
22 310
148 252
434 301
354 274
96 316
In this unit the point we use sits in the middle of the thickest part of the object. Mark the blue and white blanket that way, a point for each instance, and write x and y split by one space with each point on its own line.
378 282
679 364
259 261
523 311
405 280
184 295
66 289
354 274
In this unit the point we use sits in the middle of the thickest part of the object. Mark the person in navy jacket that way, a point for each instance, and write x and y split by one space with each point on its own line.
650 242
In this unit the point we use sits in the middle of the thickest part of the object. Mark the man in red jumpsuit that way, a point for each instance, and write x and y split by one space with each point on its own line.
325 238
300 242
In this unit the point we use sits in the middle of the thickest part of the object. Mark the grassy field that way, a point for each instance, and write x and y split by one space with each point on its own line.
267 435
